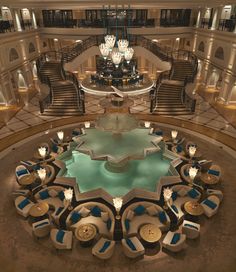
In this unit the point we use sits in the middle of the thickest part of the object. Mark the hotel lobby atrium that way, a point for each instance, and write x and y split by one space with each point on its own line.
117 136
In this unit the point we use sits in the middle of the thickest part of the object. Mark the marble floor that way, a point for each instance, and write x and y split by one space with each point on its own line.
214 251
29 115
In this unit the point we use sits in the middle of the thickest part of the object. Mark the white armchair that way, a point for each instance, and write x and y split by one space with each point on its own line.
174 241
210 205
41 228
104 248
21 171
61 239
190 229
132 247
217 193
23 205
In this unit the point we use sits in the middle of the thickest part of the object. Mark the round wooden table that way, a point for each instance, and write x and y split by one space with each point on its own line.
27 179
150 233
39 209
193 208
209 179
85 233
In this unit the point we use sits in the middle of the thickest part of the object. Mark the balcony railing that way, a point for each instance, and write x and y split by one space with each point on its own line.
227 25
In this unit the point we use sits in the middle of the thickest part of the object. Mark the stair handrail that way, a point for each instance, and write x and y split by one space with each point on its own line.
79 92
68 53
45 102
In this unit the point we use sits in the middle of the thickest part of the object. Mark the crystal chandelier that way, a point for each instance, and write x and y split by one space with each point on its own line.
116 58
110 41
129 54
104 49
123 45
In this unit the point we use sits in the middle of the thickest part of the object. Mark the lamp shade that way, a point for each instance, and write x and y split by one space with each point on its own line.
147 124
117 201
116 58
42 173
174 134
122 45
192 172
110 41
104 49
42 151
129 54
60 135
167 193
87 124
68 193
192 150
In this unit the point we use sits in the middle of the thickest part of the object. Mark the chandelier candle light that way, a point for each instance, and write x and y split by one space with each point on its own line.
104 49
167 193
68 193
117 201
123 45
129 54
110 41
192 174
116 58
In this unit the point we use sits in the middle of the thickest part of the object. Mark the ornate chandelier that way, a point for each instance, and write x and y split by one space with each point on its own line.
116 54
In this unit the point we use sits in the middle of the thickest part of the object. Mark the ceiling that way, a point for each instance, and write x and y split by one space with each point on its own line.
100 4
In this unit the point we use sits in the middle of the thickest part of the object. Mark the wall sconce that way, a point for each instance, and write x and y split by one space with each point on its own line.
68 193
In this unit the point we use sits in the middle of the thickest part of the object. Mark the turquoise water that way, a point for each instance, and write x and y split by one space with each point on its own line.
131 143
91 174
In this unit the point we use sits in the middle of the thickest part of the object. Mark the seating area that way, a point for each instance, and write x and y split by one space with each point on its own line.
91 220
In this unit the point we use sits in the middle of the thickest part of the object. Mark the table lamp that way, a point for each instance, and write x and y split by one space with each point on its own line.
60 135
87 124
68 193
147 124
117 201
167 193
192 150
42 152
192 174
174 134
42 173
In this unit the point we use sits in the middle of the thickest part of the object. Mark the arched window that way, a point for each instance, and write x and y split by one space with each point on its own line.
13 55
31 48
201 47
44 44
219 54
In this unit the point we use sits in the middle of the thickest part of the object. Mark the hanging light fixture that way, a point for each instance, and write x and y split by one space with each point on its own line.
123 45
129 54
110 41
104 49
116 58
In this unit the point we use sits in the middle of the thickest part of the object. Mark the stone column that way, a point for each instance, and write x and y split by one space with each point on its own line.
198 19
17 20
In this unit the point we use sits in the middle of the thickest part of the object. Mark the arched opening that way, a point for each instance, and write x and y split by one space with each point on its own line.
201 47
31 48
219 54
13 55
